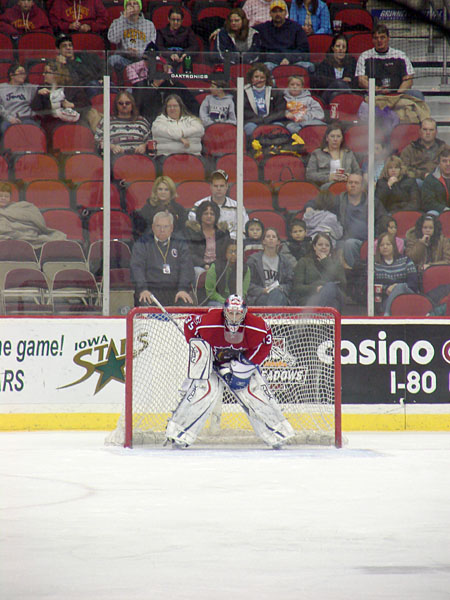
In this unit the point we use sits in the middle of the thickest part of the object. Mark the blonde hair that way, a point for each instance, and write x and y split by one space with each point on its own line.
170 184
5 187
393 161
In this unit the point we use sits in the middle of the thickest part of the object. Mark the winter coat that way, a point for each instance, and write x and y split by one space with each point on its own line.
325 74
131 35
143 219
421 254
217 110
294 251
150 100
257 283
183 37
275 106
403 195
288 41
225 42
435 195
419 160
323 221
309 273
320 21
318 168
197 241
63 13
14 22
168 133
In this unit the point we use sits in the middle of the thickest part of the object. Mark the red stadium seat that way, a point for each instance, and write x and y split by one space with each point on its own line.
405 220
256 195
4 168
281 74
319 44
293 195
359 42
67 221
411 305
121 228
29 167
6 47
160 16
97 102
312 135
134 167
83 167
89 195
25 138
435 276
270 218
403 134
89 41
220 139
347 106
283 167
227 163
119 256
356 138
75 291
48 193
70 138
353 19
444 219
35 46
137 194
25 291
188 192
338 187
181 167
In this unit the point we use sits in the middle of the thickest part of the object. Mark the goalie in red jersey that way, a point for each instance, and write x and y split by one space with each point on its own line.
226 348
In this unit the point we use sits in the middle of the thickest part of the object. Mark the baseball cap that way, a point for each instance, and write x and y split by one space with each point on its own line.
278 4
220 172
63 37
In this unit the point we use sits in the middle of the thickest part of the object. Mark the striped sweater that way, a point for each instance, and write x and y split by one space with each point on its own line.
402 270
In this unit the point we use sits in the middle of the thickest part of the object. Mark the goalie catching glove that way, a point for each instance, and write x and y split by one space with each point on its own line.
238 373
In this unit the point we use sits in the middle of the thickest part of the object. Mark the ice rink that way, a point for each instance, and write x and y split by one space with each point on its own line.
82 521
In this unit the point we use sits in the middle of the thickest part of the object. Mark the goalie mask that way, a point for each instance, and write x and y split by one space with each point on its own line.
234 311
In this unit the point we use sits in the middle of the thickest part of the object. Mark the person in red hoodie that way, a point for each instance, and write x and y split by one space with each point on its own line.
24 17
78 16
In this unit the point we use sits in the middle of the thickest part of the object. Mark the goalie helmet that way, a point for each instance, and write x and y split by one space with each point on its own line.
234 311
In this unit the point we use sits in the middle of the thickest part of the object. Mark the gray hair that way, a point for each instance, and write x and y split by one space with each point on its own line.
163 214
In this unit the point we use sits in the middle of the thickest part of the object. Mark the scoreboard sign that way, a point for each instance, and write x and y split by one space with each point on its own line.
391 361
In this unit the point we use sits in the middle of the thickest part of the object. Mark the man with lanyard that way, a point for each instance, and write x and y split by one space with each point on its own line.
161 265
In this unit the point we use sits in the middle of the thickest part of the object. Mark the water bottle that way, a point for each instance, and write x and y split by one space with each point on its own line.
187 64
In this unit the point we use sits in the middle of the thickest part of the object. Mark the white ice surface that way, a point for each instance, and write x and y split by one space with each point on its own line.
81 521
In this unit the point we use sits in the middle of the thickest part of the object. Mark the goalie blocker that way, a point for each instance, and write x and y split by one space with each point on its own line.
235 343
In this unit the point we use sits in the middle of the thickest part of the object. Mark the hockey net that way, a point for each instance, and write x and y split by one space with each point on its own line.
303 371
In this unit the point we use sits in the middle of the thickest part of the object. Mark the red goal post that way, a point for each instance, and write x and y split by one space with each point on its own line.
303 371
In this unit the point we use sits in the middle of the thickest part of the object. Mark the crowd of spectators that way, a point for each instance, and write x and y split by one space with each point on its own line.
174 246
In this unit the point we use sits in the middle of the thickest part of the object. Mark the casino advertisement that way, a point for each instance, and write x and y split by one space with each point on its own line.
390 361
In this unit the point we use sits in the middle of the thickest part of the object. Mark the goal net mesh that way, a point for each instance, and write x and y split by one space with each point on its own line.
302 370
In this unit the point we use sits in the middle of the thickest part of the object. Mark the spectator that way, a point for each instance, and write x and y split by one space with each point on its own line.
322 219
388 224
24 17
254 233
161 264
263 105
162 198
237 36
421 156
129 132
132 33
436 186
332 161
221 277
86 68
78 16
298 243
218 106
392 69
228 206
58 100
319 278
395 189
380 154
175 40
271 274
258 11
336 73
176 130
395 274
283 40
207 237
301 108
16 97
23 221
312 15
350 207
425 243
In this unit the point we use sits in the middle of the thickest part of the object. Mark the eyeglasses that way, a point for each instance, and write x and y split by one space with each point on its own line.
127 103
175 19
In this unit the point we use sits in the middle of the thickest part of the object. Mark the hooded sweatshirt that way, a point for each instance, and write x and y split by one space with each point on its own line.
217 110
131 35
16 22
303 106
89 12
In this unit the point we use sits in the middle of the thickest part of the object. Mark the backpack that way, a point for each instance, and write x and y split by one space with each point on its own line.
269 144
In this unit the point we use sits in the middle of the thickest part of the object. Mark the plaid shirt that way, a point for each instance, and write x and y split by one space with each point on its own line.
258 11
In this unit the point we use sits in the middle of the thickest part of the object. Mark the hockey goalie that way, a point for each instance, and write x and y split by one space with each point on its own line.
226 347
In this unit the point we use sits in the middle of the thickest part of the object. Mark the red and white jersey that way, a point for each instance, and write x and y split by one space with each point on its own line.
253 339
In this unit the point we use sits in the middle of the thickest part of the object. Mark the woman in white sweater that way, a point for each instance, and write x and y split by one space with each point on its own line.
176 130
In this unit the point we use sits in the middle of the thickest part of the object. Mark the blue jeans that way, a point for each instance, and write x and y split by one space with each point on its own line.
400 288
330 294
309 66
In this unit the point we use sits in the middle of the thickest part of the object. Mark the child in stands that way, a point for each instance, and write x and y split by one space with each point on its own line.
254 233
218 106
298 243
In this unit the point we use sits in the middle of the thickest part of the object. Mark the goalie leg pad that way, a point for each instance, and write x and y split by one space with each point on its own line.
194 409
264 413
200 359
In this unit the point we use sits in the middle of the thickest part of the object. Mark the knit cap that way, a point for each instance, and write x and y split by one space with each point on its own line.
126 2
